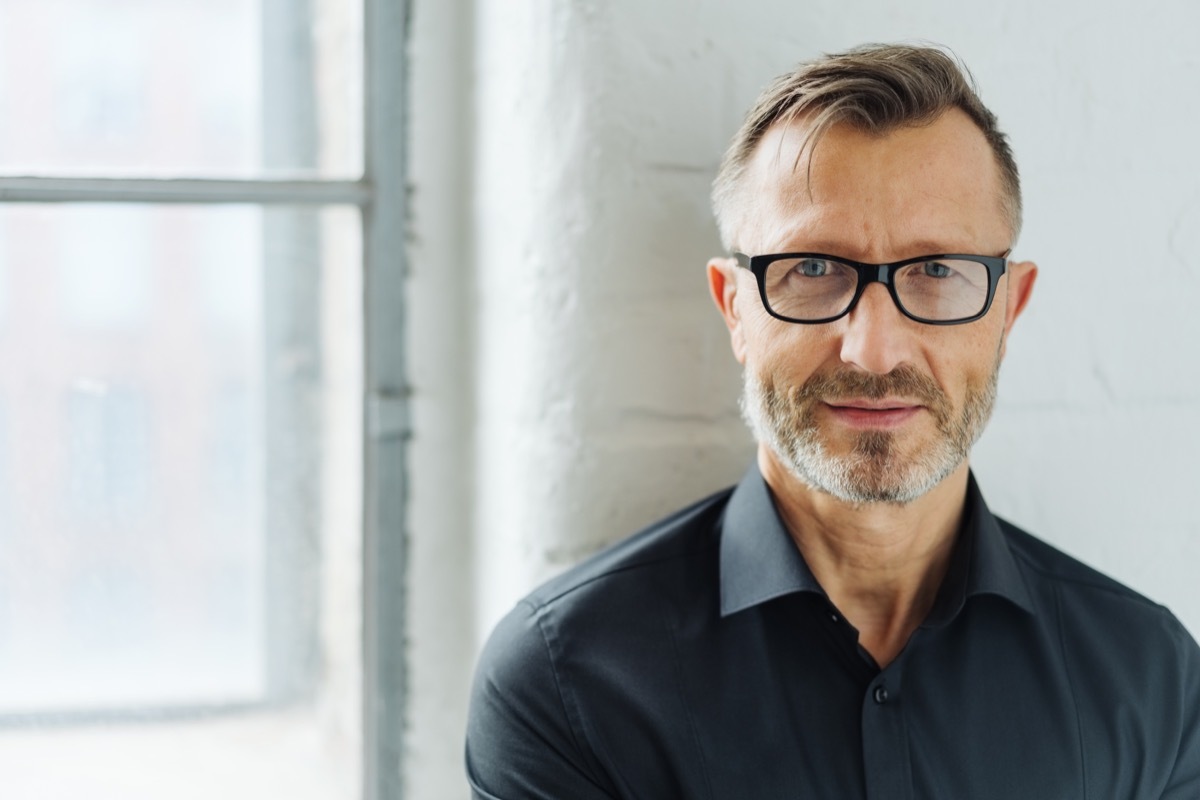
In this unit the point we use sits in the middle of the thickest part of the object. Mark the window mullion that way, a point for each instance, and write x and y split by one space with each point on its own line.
386 428
182 190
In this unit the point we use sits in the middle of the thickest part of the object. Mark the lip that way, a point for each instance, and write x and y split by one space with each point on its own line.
873 414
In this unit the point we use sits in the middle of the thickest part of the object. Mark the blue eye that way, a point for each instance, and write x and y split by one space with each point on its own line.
933 269
813 268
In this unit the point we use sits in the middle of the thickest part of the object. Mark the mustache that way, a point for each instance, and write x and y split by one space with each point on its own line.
904 382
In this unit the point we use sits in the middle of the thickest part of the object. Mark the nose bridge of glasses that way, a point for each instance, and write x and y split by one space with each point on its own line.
874 273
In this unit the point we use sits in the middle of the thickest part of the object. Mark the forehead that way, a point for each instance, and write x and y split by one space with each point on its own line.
909 192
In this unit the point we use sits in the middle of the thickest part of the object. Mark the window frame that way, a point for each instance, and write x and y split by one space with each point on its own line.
379 194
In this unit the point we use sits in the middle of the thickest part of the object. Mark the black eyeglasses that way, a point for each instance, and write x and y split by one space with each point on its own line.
812 288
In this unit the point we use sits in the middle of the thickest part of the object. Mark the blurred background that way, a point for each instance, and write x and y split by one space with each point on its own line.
328 328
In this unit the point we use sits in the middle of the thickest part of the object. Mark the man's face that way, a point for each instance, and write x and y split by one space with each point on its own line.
874 407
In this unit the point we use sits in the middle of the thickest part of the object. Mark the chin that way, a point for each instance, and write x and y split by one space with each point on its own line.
873 471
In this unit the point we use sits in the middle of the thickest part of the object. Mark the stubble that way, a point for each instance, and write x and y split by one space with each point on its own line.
877 468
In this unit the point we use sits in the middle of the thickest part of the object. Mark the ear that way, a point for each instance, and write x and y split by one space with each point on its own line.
1021 277
723 285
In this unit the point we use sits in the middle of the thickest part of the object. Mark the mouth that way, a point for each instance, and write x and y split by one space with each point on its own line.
867 414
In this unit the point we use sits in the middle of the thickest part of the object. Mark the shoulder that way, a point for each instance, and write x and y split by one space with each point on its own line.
606 592
1132 668
668 545
597 611
580 642
1044 562
1095 610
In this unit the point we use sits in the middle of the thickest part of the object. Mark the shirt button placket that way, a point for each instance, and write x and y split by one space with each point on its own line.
885 740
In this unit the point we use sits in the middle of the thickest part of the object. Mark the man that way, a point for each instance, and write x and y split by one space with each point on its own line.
850 621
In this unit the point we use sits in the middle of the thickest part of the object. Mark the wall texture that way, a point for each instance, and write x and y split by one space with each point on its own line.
572 382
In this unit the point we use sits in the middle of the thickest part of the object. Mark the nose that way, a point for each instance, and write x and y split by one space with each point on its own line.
877 337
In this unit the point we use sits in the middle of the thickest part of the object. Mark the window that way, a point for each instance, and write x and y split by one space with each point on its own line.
202 424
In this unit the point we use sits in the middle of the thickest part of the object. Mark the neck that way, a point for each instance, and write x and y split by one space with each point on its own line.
880 563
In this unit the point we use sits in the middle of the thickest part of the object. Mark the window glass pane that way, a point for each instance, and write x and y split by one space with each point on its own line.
103 268
197 87
179 503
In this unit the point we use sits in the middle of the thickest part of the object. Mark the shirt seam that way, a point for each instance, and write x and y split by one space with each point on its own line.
1179 630
692 727
540 604
1100 587
571 719
1062 643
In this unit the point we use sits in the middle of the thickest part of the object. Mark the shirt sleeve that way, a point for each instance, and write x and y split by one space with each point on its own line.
520 742
1185 777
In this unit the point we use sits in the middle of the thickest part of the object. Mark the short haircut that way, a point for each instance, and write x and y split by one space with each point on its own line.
875 88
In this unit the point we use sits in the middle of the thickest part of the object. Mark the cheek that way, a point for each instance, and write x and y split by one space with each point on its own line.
969 361
759 332
791 352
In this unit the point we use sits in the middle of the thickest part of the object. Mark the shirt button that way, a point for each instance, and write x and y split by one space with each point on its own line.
833 617
881 694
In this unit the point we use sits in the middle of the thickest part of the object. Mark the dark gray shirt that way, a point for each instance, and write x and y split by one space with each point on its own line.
701 659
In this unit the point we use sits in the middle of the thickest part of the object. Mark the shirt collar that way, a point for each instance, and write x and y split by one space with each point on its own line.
760 562
992 567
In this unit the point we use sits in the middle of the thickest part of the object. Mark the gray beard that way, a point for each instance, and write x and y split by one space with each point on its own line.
875 470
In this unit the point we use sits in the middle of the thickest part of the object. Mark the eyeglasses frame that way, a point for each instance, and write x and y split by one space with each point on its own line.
874 273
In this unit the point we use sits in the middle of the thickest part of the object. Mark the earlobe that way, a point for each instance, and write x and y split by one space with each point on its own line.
723 286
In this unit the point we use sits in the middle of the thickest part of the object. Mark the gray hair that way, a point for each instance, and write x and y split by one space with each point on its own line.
875 88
